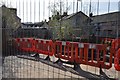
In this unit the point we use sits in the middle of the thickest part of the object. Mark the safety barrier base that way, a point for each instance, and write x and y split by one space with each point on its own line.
75 70
43 61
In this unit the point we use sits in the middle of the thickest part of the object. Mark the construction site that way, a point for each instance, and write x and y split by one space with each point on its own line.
60 39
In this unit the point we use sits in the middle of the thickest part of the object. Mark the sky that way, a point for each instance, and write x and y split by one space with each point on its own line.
37 10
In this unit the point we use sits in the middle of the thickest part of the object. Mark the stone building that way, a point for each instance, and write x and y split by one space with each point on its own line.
36 30
72 26
10 22
107 25
79 22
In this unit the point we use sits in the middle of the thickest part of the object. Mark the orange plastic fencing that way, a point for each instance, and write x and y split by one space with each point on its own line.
17 42
117 60
66 50
81 53
24 44
116 44
115 49
93 55
99 52
44 47
58 49
84 53
28 44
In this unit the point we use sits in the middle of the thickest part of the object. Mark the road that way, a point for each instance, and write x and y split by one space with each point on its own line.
14 67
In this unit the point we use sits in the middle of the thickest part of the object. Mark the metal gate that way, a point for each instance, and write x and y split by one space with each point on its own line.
60 39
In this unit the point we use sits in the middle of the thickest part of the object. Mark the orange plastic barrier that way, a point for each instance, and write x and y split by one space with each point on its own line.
84 53
81 53
24 44
66 50
28 45
117 60
94 55
116 44
58 49
44 47
17 42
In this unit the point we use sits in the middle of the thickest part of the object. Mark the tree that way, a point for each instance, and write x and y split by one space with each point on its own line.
58 7
59 27
66 29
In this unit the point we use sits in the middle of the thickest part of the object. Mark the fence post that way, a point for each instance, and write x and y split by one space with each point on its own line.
1 43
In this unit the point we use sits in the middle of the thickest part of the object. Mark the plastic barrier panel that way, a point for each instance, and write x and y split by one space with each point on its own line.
84 53
28 44
44 47
66 50
58 49
117 60
73 50
17 42
93 55
102 56
24 44
116 44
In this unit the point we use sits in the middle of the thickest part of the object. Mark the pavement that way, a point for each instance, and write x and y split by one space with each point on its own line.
15 67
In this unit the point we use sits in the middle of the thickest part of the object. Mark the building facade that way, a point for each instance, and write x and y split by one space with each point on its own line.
10 23
70 26
107 25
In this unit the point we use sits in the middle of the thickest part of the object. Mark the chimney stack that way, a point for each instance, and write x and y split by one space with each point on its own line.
13 10
65 14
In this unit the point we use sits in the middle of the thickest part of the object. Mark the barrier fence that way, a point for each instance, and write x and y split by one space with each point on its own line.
43 32
75 52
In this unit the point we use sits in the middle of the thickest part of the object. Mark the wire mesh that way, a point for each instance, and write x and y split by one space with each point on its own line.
29 16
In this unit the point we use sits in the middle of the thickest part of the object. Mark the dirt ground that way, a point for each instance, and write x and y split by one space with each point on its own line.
15 67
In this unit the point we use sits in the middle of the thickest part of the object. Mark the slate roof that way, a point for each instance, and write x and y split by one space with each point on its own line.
34 24
114 16
72 15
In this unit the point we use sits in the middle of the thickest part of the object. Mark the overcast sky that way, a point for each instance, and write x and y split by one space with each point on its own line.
37 10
